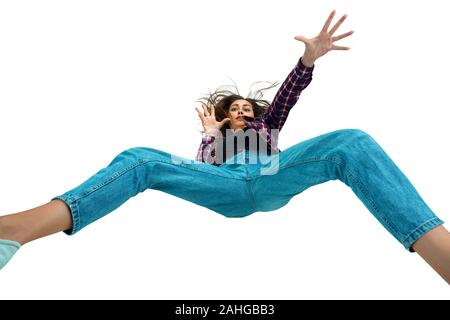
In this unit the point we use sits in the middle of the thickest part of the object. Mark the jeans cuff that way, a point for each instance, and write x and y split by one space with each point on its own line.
71 203
420 231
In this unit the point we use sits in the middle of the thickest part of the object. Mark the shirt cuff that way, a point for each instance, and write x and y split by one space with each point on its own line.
207 139
302 69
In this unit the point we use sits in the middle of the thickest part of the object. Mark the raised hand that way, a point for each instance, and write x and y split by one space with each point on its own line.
323 42
210 125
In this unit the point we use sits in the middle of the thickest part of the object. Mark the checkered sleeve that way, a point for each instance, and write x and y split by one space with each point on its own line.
287 96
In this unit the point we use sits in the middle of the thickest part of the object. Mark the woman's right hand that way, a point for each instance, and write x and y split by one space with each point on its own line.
210 125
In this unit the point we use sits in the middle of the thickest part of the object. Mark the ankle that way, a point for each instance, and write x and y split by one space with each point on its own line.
9 231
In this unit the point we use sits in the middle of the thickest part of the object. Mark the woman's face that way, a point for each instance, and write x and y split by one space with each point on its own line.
238 109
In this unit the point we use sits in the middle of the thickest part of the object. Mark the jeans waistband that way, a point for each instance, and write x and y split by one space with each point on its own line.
250 157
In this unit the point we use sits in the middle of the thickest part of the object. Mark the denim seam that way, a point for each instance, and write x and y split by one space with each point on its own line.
353 177
249 189
74 212
291 165
117 174
111 178
76 216
214 174
406 239
196 169
370 200
252 198
363 189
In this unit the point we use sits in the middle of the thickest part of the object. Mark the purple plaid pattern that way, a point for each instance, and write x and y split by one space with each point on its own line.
274 118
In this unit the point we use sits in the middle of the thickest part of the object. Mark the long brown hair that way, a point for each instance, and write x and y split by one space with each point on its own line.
222 98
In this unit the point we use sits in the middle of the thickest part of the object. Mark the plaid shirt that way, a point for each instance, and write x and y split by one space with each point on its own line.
274 118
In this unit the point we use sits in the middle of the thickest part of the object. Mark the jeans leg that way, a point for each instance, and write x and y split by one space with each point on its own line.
138 169
355 158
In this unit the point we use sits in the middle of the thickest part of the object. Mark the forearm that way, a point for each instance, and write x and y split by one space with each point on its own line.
288 94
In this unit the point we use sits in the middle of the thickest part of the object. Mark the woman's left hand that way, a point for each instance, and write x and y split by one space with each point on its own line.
318 46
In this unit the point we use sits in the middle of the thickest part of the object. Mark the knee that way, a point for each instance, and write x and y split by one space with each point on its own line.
352 134
139 154
353 137
354 144
137 151
147 154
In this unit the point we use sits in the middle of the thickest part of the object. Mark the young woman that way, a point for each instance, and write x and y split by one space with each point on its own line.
237 179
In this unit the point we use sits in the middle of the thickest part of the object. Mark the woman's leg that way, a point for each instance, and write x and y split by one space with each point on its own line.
35 223
131 172
356 159
434 248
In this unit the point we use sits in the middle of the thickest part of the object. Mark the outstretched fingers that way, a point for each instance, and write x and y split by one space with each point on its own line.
334 47
339 37
205 110
328 22
337 24
200 114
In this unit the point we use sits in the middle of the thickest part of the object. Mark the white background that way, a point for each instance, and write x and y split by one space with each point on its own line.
81 81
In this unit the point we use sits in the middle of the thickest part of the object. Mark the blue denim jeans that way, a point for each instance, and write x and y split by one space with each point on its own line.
240 188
